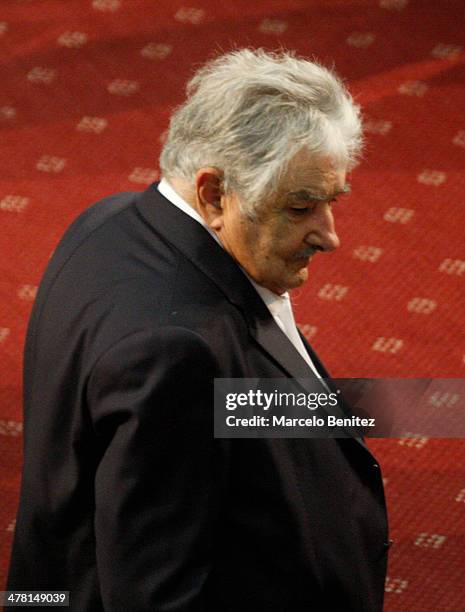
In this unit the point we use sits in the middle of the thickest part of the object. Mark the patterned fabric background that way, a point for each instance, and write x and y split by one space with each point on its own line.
87 88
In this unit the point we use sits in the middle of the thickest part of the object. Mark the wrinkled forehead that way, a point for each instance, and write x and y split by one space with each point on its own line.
322 176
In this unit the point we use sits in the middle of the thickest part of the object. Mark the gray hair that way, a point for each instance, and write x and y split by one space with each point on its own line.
249 112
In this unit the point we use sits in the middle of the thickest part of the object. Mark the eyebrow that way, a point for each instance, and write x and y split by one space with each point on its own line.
307 194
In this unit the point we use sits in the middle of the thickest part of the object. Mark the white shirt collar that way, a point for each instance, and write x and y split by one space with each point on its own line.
273 301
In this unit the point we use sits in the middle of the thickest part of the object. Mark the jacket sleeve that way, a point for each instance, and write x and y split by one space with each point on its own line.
158 483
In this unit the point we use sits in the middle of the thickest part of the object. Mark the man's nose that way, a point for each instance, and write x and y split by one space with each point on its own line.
322 229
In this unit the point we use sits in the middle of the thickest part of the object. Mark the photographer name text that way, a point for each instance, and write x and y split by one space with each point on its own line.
283 421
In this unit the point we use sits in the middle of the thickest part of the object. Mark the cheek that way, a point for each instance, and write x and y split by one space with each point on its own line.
270 249
272 245
278 234
245 237
286 242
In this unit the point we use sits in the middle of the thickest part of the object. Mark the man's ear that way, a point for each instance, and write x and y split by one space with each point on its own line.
209 190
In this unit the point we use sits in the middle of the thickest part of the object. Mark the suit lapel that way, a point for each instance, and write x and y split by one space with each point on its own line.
345 410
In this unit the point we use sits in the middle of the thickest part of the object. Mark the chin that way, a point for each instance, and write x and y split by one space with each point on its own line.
296 280
290 280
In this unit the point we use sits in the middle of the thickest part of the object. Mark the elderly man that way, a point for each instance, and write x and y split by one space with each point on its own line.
128 501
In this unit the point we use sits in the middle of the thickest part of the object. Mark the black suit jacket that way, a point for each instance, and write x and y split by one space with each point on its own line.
127 500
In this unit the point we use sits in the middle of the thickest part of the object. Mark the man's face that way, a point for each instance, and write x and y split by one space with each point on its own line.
276 247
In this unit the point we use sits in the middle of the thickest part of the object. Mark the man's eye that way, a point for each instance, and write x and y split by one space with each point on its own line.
298 210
